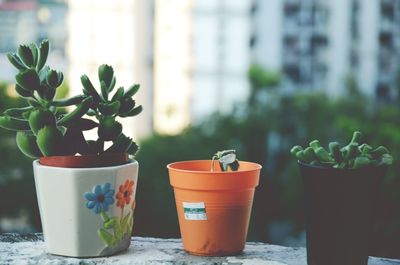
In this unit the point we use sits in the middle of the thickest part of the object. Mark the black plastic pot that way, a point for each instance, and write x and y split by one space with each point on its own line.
340 206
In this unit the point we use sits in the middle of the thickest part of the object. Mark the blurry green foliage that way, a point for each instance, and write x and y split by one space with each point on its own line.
17 188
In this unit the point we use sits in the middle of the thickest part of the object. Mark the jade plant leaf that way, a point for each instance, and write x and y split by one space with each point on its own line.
48 140
26 142
40 118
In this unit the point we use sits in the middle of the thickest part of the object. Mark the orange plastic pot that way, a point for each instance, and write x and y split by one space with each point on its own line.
213 207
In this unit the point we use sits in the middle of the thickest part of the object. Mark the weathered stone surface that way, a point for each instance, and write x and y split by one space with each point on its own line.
30 249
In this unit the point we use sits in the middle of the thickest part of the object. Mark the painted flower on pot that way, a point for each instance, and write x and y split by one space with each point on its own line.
100 198
116 230
125 193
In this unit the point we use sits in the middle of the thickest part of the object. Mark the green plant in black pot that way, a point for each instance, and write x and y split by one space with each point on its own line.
341 188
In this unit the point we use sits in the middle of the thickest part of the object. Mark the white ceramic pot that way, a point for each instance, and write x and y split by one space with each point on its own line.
86 212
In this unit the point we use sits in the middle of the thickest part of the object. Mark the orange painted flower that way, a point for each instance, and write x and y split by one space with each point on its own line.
124 193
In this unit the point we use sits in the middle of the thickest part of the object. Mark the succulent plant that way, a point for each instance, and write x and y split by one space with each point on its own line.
227 160
43 129
353 155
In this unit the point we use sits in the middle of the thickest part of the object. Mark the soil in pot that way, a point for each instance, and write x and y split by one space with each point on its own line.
213 207
339 206
86 161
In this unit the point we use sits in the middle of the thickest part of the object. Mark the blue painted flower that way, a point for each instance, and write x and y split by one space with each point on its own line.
100 198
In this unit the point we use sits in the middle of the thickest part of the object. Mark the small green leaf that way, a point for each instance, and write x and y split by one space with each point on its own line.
41 118
112 85
25 53
52 78
296 149
43 53
387 159
132 91
14 124
322 155
118 94
120 145
85 124
109 108
28 79
48 140
315 144
132 150
309 154
107 237
89 89
14 60
79 111
106 74
23 92
34 50
356 137
34 103
26 142
132 112
334 149
104 91
127 104
68 102
109 129
16 112
60 78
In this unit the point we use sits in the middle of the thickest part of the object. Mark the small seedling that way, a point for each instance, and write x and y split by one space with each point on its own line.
352 155
227 160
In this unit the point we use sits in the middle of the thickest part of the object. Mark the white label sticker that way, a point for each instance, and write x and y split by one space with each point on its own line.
194 210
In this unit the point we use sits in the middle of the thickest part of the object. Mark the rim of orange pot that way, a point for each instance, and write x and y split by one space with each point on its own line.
85 161
201 177
217 170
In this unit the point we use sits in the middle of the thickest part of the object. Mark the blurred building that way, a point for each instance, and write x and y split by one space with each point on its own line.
117 33
322 43
27 21
192 57
201 56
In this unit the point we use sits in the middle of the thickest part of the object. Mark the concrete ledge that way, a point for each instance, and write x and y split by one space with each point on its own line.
30 249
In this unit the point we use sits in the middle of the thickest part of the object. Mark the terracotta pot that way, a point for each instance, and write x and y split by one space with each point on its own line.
340 207
86 212
213 207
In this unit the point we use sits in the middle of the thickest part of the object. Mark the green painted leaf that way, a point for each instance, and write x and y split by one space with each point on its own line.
107 237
